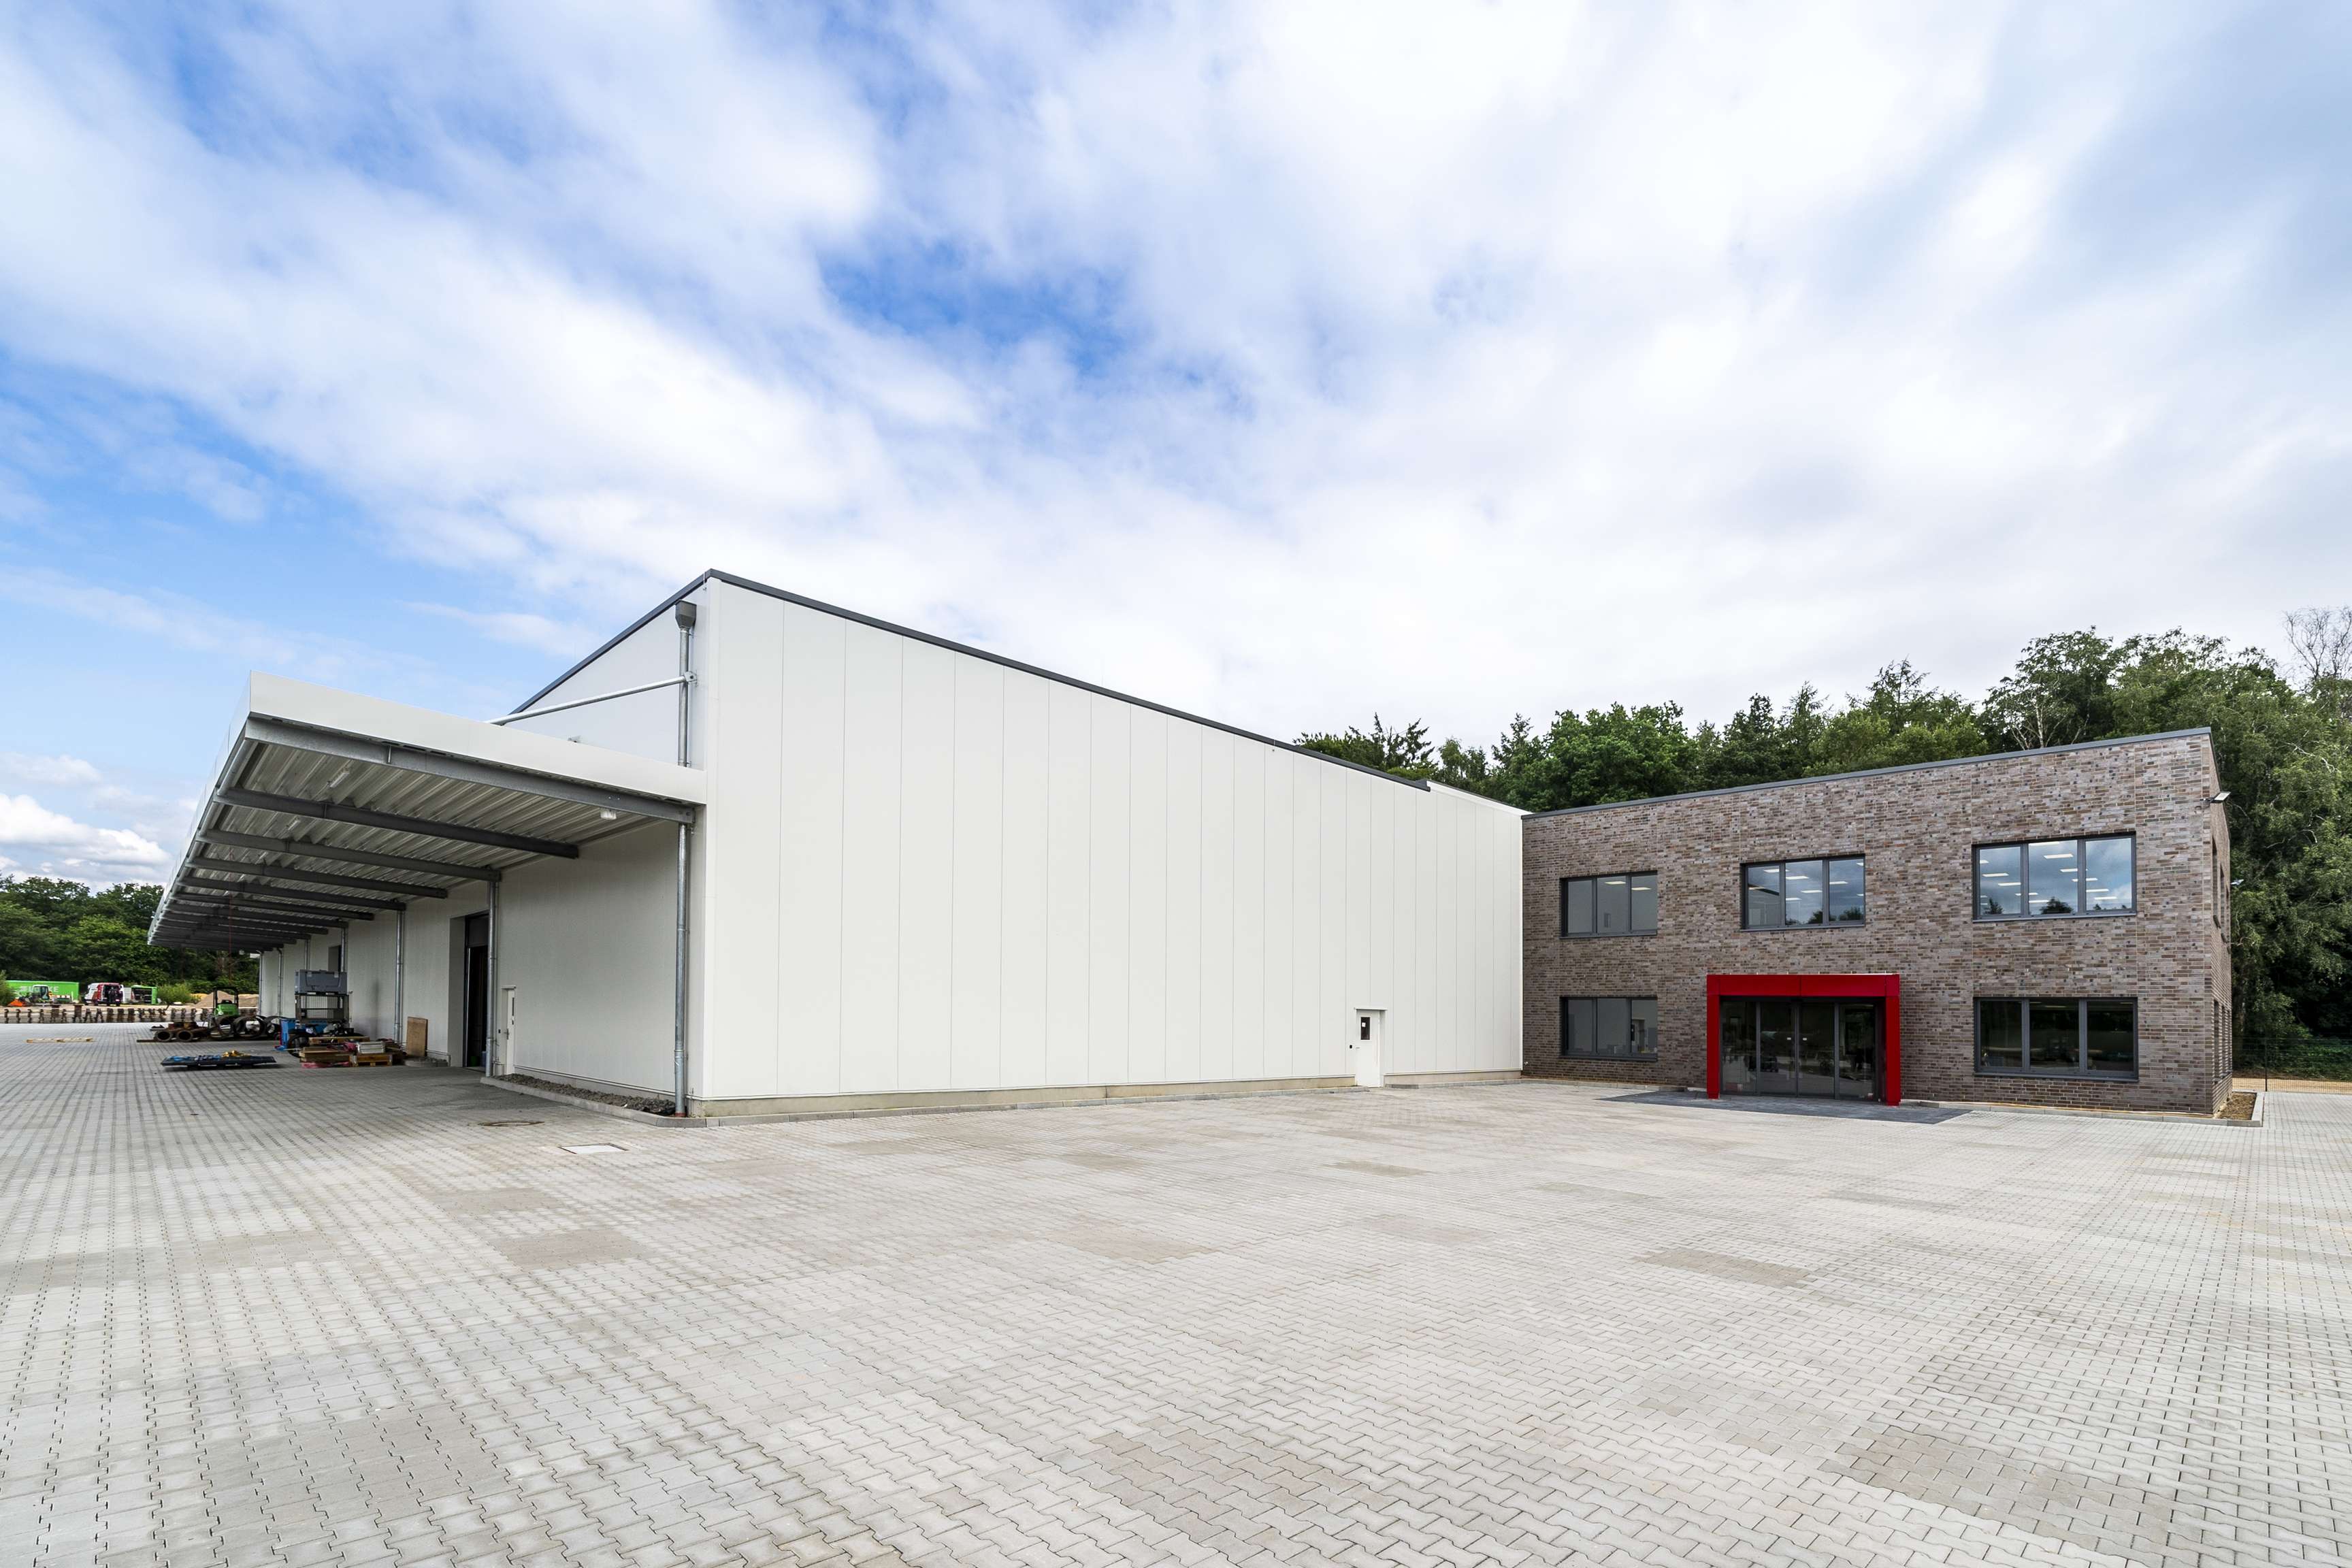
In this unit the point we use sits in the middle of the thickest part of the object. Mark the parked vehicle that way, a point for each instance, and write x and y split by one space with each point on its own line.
43 992
116 993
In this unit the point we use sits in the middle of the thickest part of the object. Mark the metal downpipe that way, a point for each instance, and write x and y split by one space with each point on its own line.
686 618
400 977
677 999
494 1046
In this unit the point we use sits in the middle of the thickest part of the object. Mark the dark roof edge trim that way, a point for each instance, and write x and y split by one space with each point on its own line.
610 643
2205 729
714 575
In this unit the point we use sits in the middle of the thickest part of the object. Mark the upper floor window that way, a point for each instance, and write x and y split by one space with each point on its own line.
2055 876
1775 894
1625 905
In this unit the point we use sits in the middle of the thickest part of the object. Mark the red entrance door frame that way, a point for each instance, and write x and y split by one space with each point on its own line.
1888 988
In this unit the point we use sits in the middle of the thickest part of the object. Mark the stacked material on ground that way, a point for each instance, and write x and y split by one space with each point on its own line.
213 1060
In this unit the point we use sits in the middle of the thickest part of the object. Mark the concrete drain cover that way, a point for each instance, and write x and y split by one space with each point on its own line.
590 1148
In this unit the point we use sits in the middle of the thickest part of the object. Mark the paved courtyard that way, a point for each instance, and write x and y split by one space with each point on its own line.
383 1316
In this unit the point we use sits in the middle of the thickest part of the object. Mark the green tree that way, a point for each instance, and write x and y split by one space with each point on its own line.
1902 720
54 900
1607 754
2285 753
1463 767
97 948
51 928
2062 692
1757 745
25 947
1405 753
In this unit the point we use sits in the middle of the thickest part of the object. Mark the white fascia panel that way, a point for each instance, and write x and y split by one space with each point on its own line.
471 739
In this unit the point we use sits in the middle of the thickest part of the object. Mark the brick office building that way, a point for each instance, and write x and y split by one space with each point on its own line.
2043 926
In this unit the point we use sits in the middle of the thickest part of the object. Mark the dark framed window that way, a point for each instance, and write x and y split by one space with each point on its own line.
1621 905
2046 879
1782 895
2058 1036
1609 1028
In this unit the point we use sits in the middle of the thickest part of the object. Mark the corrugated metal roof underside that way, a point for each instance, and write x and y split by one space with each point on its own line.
212 906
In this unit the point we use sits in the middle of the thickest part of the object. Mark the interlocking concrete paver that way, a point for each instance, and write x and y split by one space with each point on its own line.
297 1316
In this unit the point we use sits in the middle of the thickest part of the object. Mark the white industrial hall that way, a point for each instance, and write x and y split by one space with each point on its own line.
760 855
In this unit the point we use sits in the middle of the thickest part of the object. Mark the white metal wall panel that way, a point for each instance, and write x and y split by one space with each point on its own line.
587 947
1424 912
869 888
1246 1019
741 656
1108 852
645 725
810 804
926 866
1146 898
367 965
1305 976
1327 1045
1276 1019
977 877
1216 905
1184 841
1024 939
1068 859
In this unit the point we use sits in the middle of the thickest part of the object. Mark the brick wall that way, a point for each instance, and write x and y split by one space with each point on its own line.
1917 829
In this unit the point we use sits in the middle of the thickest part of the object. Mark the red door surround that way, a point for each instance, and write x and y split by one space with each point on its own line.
1888 988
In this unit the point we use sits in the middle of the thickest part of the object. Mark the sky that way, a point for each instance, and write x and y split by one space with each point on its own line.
1281 363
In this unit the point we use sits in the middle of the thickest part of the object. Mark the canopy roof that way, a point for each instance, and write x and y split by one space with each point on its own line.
329 807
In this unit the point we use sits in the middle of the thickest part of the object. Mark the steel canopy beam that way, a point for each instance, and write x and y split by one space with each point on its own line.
215 871
224 936
392 822
269 898
234 941
313 851
206 910
273 873
212 881
203 896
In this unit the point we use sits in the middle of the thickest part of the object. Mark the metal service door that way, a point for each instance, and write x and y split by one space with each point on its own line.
1366 1050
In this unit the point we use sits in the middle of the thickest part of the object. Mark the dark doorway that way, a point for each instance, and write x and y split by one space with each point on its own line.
478 990
1787 1045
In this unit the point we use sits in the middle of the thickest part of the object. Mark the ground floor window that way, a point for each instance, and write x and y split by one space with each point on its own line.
2058 1036
1609 1028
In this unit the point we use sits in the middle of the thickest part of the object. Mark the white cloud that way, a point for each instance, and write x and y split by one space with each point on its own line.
229 626
35 841
520 628
26 768
1523 354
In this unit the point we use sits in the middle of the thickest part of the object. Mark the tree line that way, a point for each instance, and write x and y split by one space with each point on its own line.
51 928
2282 737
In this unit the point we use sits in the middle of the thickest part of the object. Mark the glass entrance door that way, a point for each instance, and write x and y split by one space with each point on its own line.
1857 1050
1815 1046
